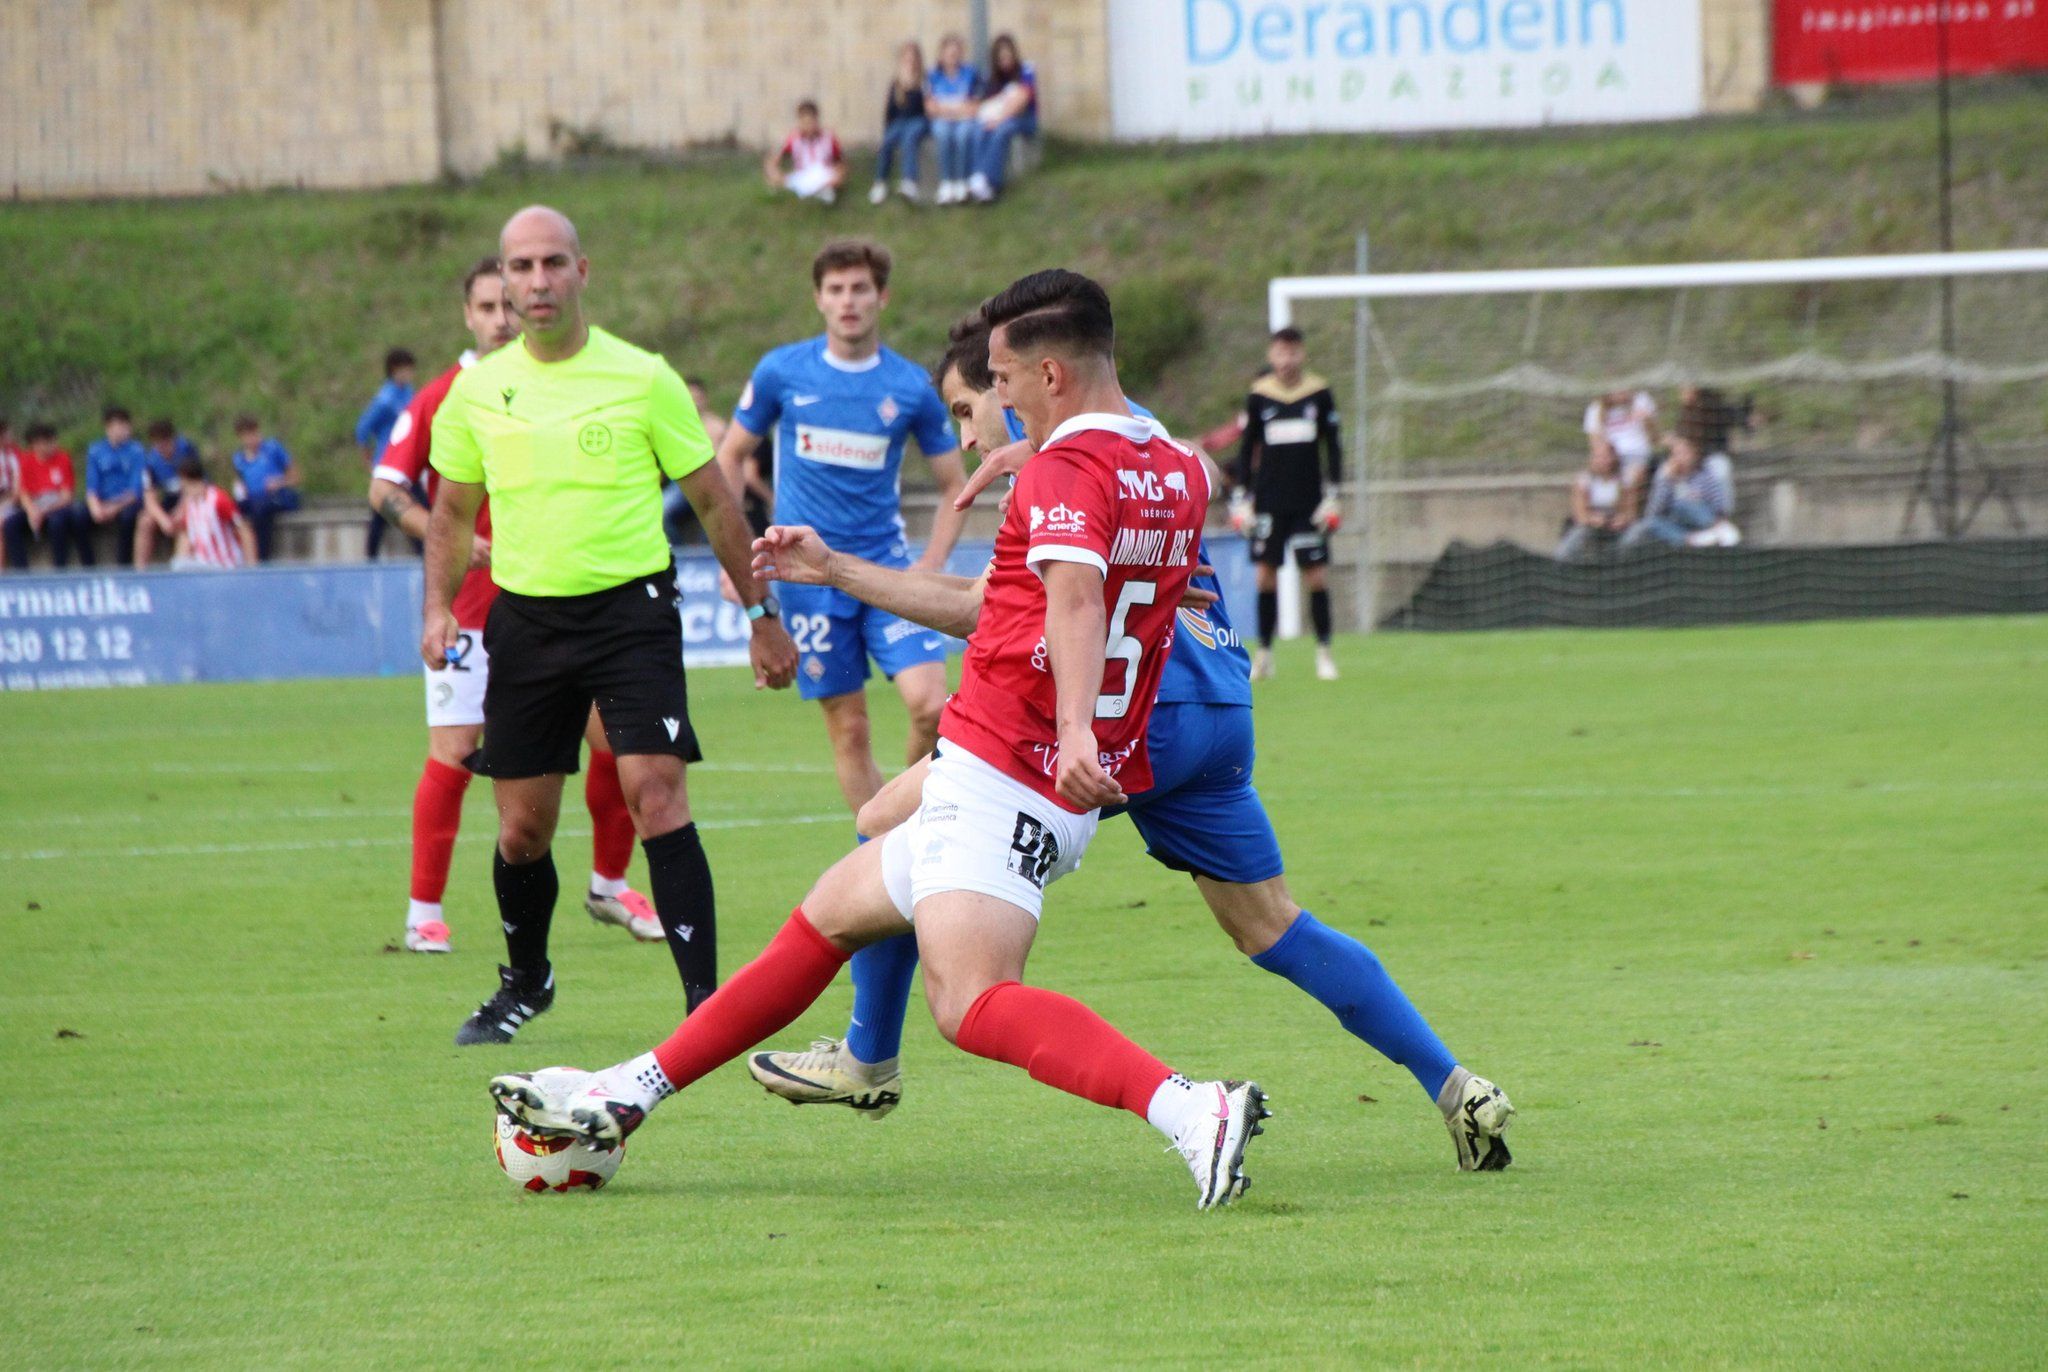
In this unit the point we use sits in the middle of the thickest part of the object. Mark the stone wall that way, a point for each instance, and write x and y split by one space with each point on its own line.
173 97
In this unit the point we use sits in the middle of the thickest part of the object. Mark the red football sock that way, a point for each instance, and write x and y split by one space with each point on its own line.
611 823
763 997
1062 1043
436 816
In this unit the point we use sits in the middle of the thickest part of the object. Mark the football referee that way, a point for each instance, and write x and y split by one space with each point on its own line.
569 430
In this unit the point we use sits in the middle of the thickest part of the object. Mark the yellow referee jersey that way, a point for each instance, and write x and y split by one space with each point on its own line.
571 454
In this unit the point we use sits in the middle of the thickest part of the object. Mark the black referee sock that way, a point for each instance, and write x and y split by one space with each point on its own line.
1319 615
687 907
526 907
1269 617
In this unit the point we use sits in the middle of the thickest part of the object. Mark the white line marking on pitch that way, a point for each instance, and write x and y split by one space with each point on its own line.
390 841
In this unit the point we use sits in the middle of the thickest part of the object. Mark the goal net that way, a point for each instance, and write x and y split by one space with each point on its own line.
1469 393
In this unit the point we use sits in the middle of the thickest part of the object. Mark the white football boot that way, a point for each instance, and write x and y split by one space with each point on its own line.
1213 1143
1326 666
565 1102
1477 1114
1262 665
629 910
829 1075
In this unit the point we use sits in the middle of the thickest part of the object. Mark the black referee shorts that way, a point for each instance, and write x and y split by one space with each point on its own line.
1274 532
553 656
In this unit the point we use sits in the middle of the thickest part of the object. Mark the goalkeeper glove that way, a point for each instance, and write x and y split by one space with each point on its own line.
1240 510
1327 517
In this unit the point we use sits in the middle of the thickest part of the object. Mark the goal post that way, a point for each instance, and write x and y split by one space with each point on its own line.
1481 377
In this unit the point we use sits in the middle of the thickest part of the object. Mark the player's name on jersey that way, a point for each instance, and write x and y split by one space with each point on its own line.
1148 548
842 447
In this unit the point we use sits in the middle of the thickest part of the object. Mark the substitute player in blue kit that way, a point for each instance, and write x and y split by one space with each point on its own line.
1202 816
840 408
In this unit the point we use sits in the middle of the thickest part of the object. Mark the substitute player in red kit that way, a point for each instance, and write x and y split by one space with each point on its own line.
455 693
1049 723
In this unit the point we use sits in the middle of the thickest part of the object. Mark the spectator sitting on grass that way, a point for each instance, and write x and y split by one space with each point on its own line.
266 479
167 449
953 99
1010 112
904 127
1625 421
1690 501
817 166
211 532
116 473
1603 505
43 504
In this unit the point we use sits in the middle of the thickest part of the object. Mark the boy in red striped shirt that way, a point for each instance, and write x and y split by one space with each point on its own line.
212 534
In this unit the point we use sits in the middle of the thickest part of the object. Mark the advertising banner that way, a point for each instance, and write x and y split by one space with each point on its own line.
1840 42
89 629
1231 68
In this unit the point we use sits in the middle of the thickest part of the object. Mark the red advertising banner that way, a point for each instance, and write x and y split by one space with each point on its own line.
1897 40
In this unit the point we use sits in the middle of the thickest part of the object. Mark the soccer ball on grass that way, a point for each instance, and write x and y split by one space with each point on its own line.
540 1162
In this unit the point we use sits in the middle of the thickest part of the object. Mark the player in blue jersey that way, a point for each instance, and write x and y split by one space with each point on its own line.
1202 816
839 408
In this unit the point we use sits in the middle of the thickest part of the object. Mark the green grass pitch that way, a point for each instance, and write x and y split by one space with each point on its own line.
1753 925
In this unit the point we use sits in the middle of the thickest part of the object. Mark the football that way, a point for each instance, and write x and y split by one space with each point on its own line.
538 1162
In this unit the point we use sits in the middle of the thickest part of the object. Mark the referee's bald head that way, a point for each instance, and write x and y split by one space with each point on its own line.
545 218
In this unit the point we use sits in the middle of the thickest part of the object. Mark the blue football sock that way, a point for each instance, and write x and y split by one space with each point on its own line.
1343 974
881 995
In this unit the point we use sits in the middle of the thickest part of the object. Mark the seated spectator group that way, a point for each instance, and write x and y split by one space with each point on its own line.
972 115
139 495
1626 496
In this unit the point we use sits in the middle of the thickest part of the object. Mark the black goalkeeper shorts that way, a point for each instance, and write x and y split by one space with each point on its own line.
1273 535
552 657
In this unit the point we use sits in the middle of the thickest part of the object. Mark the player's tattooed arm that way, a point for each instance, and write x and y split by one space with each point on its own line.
451 535
1077 642
398 508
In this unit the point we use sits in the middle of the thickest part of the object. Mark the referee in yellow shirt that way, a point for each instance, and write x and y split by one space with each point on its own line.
569 431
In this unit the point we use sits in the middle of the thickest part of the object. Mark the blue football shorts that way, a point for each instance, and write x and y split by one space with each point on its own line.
1202 814
835 635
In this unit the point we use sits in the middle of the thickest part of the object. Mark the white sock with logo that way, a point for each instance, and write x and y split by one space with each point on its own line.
419 912
607 886
1176 1105
639 1080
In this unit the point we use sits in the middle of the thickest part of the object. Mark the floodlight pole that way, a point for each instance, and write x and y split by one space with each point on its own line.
1949 508
1364 592
977 31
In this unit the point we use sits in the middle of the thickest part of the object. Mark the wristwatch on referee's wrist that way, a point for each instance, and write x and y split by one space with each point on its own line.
769 608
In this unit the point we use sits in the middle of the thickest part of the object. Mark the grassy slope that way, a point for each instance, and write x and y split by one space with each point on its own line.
284 302
1753 945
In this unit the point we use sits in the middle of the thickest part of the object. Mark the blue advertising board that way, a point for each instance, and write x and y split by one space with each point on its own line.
111 628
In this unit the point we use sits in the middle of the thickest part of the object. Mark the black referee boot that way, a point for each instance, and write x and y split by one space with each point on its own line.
520 997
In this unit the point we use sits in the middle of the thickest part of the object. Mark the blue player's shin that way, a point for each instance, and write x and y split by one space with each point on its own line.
881 997
1344 975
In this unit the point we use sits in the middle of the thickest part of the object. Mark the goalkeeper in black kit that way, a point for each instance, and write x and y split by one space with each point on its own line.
1290 463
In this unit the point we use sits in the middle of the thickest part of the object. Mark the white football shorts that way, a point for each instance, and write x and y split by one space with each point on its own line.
455 693
979 830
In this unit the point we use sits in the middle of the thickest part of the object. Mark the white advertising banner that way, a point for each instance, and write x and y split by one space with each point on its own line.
1228 68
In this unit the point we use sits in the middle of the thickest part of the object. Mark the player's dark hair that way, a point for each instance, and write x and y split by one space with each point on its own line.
190 467
807 107
967 353
697 382
1054 310
162 428
244 423
1289 334
1005 64
485 266
38 432
114 412
843 253
396 358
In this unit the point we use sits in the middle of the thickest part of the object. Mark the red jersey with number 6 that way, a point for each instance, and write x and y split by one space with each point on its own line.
405 462
1116 494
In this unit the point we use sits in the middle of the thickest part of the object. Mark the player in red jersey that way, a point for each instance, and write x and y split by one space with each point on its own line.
1048 726
455 694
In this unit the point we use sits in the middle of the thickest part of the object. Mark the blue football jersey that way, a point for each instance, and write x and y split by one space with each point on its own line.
839 430
1208 664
